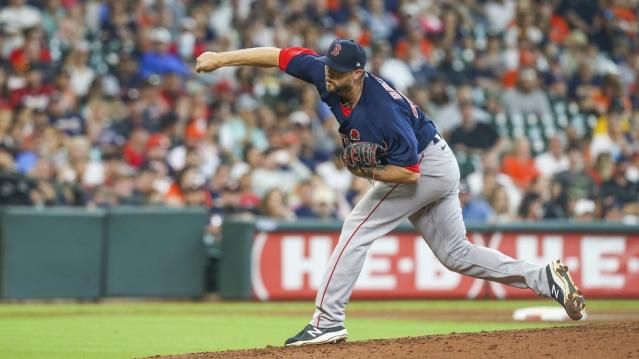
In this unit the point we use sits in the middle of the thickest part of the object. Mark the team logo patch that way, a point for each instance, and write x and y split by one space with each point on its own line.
336 50
354 135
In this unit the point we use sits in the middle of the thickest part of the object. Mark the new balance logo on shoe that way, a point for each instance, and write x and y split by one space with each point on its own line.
313 335
554 291
315 332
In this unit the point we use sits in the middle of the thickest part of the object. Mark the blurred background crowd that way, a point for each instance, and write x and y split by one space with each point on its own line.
538 98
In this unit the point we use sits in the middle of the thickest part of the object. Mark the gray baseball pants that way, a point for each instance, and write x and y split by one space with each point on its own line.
432 206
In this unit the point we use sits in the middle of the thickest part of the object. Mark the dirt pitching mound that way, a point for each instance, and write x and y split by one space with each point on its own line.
588 340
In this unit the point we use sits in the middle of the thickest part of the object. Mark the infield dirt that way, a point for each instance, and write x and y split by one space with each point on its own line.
584 341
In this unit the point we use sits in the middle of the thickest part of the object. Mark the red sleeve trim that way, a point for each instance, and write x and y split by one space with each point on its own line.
286 55
413 168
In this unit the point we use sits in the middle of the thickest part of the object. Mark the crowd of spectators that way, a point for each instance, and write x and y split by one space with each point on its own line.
100 105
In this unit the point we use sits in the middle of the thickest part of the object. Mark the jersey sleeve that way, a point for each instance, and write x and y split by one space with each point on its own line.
303 64
401 145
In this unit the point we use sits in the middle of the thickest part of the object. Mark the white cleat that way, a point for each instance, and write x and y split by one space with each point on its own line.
564 290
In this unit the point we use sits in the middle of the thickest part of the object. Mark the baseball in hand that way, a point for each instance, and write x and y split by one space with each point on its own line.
208 61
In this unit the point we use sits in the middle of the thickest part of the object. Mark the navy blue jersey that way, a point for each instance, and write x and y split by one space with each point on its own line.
383 115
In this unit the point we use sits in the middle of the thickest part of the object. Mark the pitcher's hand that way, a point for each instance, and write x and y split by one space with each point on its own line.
209 61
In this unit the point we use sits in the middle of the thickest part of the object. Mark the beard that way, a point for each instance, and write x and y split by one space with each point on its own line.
332 87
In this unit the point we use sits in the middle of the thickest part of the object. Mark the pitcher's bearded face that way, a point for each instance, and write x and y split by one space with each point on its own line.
340 82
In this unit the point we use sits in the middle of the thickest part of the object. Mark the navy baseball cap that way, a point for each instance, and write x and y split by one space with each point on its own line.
344 56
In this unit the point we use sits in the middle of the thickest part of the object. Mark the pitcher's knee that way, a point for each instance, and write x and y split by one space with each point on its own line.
454 258
453 264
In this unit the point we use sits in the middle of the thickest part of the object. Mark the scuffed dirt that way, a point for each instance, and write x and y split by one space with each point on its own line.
584 341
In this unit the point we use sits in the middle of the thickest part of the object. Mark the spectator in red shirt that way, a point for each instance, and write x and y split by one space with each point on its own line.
35 94
520 165
33 53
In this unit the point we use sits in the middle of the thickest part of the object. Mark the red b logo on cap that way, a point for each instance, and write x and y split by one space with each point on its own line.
336 50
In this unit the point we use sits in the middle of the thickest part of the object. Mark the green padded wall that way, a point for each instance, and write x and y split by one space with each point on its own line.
51 253
155 252
235 265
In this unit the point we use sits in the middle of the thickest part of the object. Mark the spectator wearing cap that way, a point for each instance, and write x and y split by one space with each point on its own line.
474 208
584 210
323 203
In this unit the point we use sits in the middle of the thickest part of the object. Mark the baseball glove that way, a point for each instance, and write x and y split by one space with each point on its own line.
363 154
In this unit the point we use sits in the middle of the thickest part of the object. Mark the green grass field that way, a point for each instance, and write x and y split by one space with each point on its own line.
125 330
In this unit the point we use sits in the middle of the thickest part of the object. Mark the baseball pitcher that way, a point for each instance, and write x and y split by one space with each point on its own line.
391 141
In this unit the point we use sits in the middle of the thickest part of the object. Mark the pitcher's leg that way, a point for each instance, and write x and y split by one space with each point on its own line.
443 228
379 212
373 217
